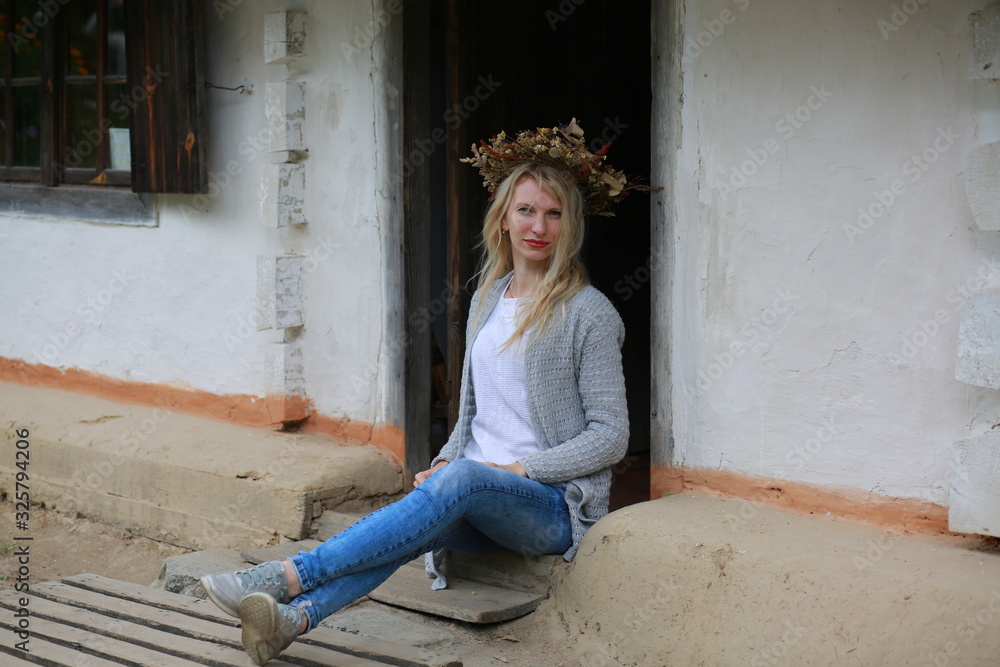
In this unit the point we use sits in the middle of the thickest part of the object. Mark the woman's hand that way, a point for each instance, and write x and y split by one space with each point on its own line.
514 467
422 477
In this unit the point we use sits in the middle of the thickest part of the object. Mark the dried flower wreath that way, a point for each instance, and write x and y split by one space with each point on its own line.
564 147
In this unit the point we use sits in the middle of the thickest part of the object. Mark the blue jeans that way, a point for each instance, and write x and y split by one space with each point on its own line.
465 506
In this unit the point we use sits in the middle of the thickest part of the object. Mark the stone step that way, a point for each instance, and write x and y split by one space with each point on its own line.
185 480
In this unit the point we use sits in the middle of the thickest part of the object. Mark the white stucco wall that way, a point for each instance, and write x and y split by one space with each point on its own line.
810 346
178 300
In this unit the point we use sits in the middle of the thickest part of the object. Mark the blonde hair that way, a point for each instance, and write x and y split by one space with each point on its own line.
565 274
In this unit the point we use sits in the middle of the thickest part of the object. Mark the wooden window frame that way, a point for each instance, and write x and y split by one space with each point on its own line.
54 82
165 77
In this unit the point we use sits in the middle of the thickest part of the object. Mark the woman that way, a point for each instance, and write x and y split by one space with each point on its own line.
542 413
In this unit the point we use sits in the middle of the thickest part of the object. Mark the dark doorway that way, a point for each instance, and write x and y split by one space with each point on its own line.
473 69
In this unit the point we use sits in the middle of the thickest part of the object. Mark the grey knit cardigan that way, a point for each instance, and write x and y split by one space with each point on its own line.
576 398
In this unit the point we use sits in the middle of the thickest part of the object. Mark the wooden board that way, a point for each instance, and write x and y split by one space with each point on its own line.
344 642
87 619
469 601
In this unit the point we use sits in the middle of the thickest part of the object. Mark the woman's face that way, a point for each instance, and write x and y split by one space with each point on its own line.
533 220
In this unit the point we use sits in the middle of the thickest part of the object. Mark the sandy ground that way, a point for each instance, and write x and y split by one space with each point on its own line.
677 582
62 546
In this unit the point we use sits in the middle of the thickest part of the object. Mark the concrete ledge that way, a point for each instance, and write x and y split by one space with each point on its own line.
186 480
689 580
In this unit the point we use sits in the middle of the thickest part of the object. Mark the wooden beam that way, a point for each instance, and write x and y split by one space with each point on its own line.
667 82
417 233
456 212
52 118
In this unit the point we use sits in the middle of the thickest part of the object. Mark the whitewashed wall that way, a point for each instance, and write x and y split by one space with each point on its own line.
811 342
175 304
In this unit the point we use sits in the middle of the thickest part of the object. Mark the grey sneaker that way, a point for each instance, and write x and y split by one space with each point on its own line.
227 590
268 627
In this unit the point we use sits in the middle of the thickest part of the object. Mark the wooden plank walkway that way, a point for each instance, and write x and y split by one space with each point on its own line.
92 621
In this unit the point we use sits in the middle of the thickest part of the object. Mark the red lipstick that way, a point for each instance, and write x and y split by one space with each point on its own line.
535 243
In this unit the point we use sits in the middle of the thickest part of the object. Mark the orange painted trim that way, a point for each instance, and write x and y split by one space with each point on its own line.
803 498
388 438
269 412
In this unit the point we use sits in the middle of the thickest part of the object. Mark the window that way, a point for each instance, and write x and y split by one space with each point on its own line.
102 93
77 131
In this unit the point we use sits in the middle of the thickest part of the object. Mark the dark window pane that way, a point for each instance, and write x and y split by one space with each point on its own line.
116 38
117 121
81 25
6 42
3 128
27 119
120 104
84 130
26 38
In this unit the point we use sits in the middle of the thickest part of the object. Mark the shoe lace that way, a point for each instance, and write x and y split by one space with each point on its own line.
268 574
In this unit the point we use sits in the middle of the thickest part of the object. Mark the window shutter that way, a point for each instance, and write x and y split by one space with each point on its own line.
167 95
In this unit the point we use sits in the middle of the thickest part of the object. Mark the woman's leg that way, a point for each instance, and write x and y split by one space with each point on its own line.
465 506
337 593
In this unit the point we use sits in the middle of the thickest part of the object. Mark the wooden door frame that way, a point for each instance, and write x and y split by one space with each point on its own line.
667 86
416 224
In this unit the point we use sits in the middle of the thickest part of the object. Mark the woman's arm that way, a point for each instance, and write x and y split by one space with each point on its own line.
603 440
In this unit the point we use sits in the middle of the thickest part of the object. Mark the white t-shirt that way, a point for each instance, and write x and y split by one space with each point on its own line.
501 427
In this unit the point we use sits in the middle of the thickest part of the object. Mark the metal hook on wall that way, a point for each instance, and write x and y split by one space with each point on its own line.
243 90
